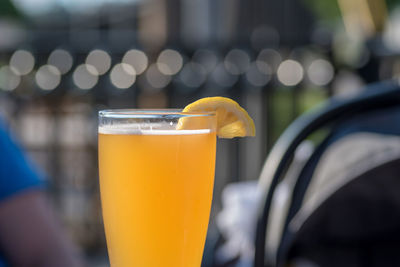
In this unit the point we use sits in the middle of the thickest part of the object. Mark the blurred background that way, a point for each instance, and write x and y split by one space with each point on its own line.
62 61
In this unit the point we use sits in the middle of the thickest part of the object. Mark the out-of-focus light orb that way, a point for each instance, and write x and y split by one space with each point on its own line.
156 78
222 77
193 74
48 77
259 74
85 76
61 59
35 7
347 84
123 76
100 60
320 72
290 72
137 59
169 62
22 62
9 79
237 62
271 57
206 58
391 34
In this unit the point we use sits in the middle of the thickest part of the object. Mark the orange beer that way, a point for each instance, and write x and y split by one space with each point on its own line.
156 191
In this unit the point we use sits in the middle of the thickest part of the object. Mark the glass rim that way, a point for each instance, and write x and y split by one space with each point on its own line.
151 113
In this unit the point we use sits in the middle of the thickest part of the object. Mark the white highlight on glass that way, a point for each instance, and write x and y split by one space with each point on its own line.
320 72
137 59
9 79
156 78
237 62
85 76
100 60
123 76
61 59
169 62
22 62
290 72
48 77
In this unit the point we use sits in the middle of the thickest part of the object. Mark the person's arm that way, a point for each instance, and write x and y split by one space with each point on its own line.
30 234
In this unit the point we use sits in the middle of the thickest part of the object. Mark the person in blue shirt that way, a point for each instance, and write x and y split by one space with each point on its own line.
29 233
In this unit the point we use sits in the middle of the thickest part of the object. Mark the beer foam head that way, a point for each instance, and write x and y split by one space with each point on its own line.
148 129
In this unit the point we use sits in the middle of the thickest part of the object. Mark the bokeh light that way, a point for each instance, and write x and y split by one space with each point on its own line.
237 61
100 60
61 59
22 62
271 57
320 72
290 72
222 77
169 62
193 74
259 73
391 35
208 59
48 77
123 76
156 78
9 79
347 84
137 59
85 76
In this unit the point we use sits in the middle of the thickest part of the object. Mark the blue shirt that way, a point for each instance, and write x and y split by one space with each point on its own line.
16 172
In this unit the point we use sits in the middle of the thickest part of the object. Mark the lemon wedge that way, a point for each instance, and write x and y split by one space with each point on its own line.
232 119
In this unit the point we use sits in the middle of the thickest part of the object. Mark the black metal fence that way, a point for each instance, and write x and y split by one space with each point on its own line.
53 110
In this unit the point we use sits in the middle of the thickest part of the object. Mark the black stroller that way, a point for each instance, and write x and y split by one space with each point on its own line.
342 208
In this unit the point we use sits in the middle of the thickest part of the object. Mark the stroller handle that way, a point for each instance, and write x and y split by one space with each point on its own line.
379 95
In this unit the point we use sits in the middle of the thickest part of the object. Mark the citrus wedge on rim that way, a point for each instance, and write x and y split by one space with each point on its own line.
232 119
